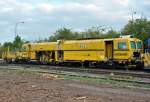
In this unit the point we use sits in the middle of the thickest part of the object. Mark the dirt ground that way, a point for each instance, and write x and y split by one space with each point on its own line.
16 87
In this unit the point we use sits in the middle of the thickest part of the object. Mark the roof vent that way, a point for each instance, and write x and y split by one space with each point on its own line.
126 36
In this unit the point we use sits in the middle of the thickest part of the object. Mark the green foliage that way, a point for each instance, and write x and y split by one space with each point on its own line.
17 43
12 46
110 34
139 28
64 33
93 32
5 47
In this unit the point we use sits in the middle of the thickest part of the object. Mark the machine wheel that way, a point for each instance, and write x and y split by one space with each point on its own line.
140 67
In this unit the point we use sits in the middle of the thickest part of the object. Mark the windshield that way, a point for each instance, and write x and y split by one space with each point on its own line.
133 45
139 45
122 45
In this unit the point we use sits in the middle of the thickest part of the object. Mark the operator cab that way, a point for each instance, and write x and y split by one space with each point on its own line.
136 48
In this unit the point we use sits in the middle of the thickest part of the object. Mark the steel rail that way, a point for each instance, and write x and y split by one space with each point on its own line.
139 74
75 74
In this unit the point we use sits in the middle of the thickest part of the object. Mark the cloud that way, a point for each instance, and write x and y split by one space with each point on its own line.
6 9
44 7
44 17
122 2
78 7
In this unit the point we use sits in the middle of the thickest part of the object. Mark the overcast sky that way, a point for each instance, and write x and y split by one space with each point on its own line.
44 17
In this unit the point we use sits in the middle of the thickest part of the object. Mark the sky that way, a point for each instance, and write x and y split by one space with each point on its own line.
43 17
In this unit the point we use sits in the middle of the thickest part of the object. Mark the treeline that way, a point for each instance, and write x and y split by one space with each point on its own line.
94 32
139 28
12 46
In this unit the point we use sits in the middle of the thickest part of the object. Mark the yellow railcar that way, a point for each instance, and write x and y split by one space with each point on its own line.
42 52
117 51
123 51
82 50
9 56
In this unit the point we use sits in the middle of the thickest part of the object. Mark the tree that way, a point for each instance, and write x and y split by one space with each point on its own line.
17 43
12 46
112 34
7 45
63 33
139 28
94 32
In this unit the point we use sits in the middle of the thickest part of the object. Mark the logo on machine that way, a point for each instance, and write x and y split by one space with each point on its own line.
82 46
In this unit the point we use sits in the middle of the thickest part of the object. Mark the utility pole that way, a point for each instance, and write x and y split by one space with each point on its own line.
133 16
132 22
16 25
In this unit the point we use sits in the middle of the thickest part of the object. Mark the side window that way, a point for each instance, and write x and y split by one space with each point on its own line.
133 45
139 45
122 45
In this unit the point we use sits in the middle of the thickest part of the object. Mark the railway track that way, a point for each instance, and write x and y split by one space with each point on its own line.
59 71
139 74
144 78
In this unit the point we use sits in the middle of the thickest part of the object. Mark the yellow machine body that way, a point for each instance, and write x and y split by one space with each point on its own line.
117 50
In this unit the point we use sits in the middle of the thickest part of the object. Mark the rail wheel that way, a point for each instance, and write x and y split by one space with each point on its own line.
140 67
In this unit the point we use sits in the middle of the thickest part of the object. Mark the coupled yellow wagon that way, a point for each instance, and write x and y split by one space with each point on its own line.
116 51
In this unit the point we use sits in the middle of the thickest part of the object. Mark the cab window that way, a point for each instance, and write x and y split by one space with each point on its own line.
133 45
139 45
122 45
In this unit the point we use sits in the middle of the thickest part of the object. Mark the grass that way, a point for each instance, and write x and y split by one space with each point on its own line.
108 81
18 71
